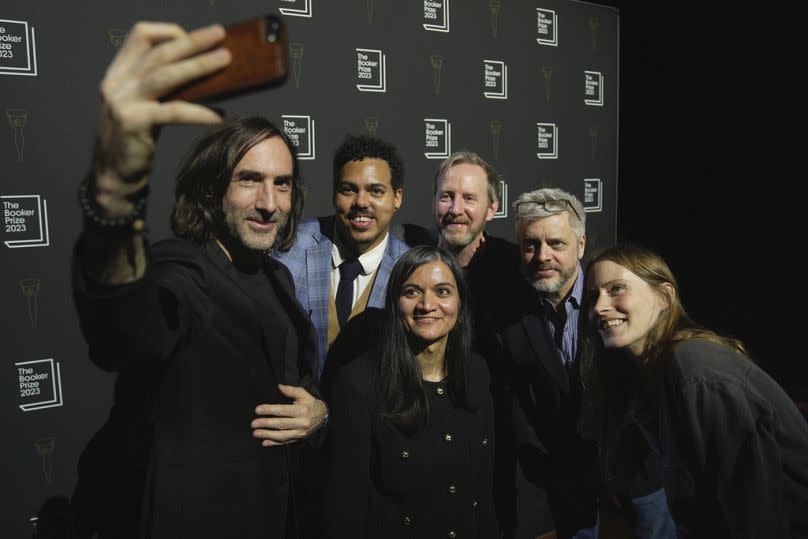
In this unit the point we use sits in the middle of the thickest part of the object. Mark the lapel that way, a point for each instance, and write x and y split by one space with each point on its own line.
393 252
276 345
538 335
280 280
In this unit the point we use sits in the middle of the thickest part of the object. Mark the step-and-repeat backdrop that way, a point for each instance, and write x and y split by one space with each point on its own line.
531 85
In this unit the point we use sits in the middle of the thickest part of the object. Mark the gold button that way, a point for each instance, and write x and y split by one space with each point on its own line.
440 391
405 455
138 225
475 504
452 534
452 489
485 441
407 520
447 437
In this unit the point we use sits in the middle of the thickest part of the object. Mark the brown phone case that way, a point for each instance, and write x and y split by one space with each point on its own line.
259 49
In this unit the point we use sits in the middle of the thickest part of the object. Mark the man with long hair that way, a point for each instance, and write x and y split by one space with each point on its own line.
217 355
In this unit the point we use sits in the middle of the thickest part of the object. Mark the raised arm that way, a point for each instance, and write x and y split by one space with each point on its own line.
154 59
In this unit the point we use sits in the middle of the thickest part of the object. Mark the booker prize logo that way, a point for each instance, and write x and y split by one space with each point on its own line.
502 196
296 8
300 130
17 48
436 15
547 27
593 195
40 384
594 88
437 138
547 142
371 70
495 79
25 221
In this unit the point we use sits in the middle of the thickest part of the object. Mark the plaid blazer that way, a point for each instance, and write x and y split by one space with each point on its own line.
309 261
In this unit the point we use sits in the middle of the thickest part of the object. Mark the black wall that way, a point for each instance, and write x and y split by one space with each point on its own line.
708 128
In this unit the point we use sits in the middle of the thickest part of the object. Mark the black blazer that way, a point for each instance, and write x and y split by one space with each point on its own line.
545 405
212 354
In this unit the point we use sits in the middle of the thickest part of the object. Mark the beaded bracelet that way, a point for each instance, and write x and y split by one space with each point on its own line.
96 214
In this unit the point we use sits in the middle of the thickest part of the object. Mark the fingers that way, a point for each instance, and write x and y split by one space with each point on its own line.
161 80
181 47
294 392
142 37
158 57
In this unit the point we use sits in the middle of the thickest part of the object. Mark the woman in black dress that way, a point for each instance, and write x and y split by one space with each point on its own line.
410 443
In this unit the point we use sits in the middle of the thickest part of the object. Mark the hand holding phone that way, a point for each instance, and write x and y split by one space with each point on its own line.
259 49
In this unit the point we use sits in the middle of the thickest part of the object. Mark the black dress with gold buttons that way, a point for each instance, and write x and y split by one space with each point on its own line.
380 482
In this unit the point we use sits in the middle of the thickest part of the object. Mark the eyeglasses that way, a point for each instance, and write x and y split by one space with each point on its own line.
552 206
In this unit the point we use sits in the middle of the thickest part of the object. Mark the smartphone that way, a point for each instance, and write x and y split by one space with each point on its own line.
259 49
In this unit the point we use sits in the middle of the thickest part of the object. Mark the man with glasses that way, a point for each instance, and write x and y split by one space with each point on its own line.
539 350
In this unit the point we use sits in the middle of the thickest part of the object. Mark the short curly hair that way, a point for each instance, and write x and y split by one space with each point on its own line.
357 148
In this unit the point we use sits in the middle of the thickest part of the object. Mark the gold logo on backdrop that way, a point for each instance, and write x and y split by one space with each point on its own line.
296 51
593 137
594 23
17 118
116 36
437 65
44 447
30 289
547 72
495 6
369 7
372 124
496 130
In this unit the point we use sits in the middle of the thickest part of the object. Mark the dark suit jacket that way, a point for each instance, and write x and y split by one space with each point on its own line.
214 352
546 400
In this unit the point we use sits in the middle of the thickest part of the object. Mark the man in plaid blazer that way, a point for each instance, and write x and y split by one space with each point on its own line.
368 180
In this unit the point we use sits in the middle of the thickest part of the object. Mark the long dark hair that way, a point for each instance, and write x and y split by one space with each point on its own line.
207 170
622 390
399 381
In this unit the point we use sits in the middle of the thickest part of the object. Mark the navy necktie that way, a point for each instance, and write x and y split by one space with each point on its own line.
348 272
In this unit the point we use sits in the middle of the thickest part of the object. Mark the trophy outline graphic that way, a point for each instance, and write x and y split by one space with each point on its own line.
547 73
502 195
369 7
494 7
444 26
447 131
17 119
298 12
503 94
598 76
554 153
116 36
296 52
44 238
593 137
495 127
436 60
594 24
593 184
382 61
55 373
553 42
30 289
30 69
44 448
372 124
310 138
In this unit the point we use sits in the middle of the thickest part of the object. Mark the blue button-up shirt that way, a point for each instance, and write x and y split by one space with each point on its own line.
567 322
